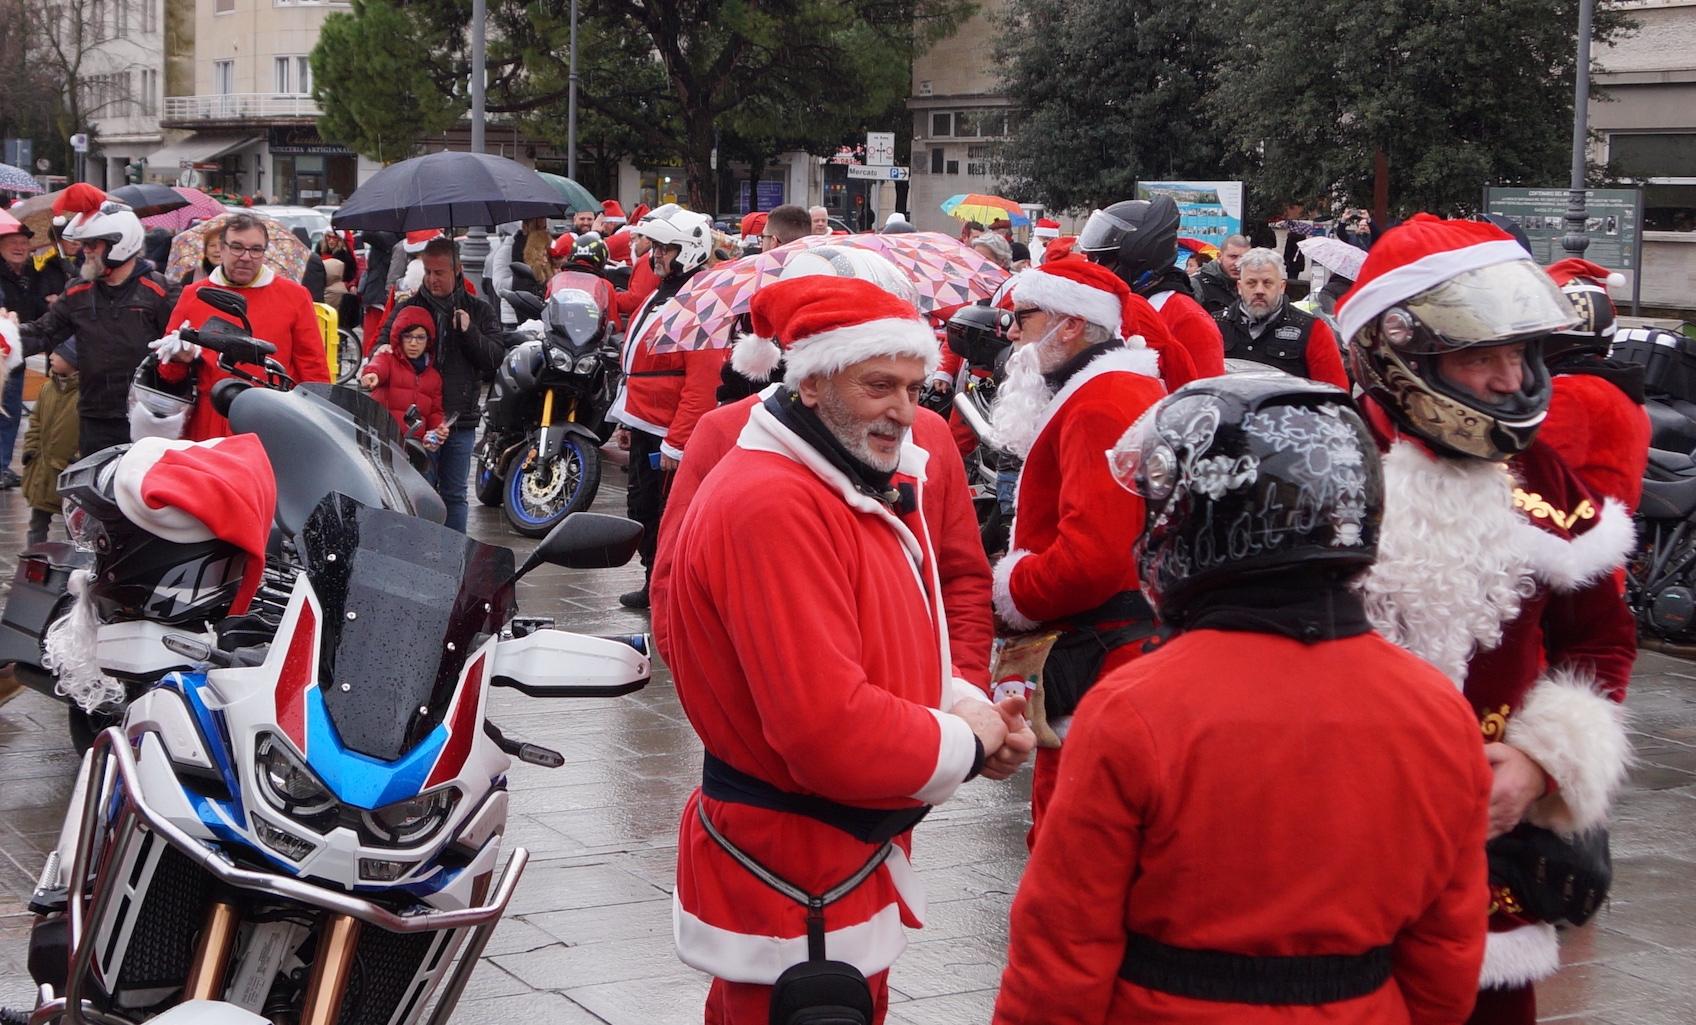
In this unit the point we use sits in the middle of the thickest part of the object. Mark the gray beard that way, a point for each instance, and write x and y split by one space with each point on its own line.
855 434
93 268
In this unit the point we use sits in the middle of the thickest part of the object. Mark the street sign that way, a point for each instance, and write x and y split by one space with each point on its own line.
1613 221
880 148
79 142
880 174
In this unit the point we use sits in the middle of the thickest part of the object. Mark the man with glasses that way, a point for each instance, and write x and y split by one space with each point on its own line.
279 309
1074 386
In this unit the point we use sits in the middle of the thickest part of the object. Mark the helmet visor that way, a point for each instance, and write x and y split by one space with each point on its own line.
1103 231
1505 302
1141 461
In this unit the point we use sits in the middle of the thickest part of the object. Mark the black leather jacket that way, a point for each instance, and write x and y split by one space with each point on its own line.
112 325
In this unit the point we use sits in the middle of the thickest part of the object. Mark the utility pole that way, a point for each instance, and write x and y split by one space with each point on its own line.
1575 241
571 103
476 249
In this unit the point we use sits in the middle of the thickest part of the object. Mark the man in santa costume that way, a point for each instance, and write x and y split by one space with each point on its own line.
1073 386
1596 418
280 311
815 664
1279 816
948 514
1494 562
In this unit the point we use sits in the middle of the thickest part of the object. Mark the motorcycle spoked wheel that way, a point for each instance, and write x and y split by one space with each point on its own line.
540 493
349 355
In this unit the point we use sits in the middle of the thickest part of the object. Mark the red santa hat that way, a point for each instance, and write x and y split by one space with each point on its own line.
1075 288
1585 285
818 325
1416 256
562 246
417 240
1573 269
753 224
189 491
78 203
1046 227
612 212
642 210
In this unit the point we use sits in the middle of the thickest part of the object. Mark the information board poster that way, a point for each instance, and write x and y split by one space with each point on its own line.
1208 211
1611 221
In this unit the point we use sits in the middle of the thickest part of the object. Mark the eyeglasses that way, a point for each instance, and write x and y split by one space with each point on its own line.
1019 317
419 335
254 251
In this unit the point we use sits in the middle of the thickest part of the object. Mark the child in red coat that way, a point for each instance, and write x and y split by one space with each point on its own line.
407 378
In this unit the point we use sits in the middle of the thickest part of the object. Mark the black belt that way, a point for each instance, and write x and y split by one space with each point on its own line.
1268 980
656 373
721 782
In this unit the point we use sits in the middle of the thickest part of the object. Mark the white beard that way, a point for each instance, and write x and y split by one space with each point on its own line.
1020 401
1450 573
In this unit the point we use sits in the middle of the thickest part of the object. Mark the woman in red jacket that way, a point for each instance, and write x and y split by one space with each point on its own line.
1277 817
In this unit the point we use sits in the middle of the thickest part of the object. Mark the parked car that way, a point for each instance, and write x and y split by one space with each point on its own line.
316 223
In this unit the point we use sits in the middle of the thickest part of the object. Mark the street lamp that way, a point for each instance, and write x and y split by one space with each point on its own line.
571 103
1575 241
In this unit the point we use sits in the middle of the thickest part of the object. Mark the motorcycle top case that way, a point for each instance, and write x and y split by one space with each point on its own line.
1668 361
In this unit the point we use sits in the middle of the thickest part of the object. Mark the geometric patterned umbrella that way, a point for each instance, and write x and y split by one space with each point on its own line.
200 207
16 180
945 272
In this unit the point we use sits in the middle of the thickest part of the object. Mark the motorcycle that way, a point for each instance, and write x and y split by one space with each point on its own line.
539 455
300 820
319 439
1668 359
977 334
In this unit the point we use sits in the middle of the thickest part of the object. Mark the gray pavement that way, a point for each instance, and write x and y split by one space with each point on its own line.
589 940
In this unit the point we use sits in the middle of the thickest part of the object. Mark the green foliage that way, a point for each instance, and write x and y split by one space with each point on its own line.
1297 99
376 93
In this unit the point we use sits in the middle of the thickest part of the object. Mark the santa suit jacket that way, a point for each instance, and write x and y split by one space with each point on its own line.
811 618
665 393
1194 329
281 312
1601 434
1527 621
949 519
1254 795
1074 525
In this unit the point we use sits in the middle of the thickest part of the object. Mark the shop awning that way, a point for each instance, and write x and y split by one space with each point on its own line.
199 148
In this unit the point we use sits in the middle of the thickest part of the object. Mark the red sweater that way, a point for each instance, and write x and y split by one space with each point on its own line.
281 312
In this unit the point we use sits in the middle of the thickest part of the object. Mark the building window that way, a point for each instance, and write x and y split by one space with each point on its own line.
224 6
941 124
123 18
303 74
281 67
150 15
936 160
953 167
223 77
97 20
977 168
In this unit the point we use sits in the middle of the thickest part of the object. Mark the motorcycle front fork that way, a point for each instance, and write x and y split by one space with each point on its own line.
332 965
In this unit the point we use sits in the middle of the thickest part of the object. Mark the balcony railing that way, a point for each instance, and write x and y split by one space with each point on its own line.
238 107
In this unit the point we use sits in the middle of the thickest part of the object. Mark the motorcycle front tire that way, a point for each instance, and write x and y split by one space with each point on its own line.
490 486
567 496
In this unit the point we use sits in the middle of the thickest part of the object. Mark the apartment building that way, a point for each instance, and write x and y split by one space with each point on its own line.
958 117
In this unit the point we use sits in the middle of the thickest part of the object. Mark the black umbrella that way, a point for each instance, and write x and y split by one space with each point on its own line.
448 190
147 200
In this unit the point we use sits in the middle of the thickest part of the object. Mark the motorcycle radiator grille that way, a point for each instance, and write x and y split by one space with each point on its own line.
384 966
162 942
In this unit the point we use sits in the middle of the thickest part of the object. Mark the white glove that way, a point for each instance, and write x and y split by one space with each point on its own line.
533 327
172 347
11 345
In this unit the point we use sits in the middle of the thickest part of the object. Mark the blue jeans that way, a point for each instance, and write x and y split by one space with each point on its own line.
12 405
453 472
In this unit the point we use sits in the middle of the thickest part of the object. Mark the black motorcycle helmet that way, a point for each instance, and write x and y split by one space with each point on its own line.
1133 237
522 369
974 334
137 574
1585 286
1249 475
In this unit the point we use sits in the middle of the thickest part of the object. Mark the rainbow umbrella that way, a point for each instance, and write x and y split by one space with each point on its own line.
944 271
1196 245
975 206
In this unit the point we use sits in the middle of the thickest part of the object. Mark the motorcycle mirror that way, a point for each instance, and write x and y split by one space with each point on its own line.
586 540
413 416
225 301
224 394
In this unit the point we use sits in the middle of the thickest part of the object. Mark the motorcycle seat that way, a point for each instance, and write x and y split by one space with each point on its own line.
1668 500
1671 464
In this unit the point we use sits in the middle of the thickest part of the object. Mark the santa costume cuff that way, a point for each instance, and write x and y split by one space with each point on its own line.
1579 738
1003 591
1588 557
956 752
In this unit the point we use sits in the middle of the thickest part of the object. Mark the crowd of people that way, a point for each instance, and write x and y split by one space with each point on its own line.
1310 618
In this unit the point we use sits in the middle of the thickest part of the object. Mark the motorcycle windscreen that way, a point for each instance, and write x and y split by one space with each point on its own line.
405 602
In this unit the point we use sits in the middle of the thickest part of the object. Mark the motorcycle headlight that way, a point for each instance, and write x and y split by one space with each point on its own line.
414 820
588 364
559 359
289 786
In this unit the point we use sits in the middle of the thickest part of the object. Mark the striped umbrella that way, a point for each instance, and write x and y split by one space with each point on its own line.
18 181
944 272
976 206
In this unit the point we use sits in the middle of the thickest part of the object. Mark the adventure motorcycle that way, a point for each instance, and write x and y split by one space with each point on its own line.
300 820
539 455
1668 359
319 439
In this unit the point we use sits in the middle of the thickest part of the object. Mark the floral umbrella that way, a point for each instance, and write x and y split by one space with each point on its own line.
200 207
284 253
945 272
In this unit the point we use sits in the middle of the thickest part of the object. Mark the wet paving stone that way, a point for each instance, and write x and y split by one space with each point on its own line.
589 937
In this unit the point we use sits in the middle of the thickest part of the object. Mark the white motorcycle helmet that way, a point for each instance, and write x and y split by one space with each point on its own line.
113 223
691 232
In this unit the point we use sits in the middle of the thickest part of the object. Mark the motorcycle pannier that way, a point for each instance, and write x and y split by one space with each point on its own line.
1668 360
